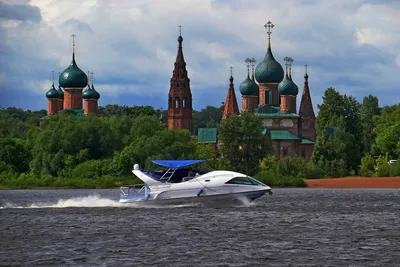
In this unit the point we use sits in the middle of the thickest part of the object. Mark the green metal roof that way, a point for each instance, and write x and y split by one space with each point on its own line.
272 111
207 135
305 141
78 113
282 135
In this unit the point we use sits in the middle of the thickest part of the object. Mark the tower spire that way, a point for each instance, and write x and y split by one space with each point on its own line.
92 73
269 27
306 111
306 75
290 61
253 61
248 61
231 105
180 97
286 59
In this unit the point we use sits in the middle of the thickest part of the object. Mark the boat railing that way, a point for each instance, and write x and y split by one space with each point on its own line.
131 190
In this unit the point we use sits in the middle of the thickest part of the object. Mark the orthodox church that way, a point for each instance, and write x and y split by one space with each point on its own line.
73 80
270 93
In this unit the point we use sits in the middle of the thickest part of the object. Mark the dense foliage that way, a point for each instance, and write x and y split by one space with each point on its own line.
99 151
348 131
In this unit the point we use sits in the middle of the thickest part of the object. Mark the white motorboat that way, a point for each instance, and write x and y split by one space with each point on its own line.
180 185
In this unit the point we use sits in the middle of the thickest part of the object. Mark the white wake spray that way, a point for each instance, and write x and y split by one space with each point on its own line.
92 201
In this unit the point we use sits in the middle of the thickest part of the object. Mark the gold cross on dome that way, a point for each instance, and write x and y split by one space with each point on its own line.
269 26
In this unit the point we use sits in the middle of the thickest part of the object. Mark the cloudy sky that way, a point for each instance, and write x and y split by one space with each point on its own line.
130 45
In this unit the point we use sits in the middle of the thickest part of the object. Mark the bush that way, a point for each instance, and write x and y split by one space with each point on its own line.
395 169
383 169
367 166
313 172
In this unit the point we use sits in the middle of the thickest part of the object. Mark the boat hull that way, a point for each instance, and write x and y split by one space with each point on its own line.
214 199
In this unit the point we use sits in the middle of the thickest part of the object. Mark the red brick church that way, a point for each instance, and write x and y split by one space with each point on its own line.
74 81
269 91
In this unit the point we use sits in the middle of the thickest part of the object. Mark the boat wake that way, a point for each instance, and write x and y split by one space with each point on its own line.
92 201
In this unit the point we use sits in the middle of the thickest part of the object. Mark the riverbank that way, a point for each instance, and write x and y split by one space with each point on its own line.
355 182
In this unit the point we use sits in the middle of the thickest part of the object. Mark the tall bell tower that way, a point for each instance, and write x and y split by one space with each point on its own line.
180 97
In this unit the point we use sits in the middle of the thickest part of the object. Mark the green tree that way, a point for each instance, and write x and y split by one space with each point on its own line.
209 117
14 152
243 143
368 109
338 134
387 130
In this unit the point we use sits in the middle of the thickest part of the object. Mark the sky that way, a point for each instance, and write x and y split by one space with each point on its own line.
131 46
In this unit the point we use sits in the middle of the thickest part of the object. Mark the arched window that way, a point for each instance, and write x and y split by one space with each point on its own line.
184 102
177 102
303 153
285 152
177 85
170 102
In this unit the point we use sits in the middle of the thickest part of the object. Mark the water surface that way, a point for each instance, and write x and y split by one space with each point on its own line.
293 227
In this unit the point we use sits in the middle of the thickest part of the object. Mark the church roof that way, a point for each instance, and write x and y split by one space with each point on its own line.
272 111
305 141
207 135
231 105
78 113
306 108
282 135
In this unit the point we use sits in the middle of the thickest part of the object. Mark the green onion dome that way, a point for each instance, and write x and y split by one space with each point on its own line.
61 92
287 87
52 93
248 87
73 76
90 93
97 93
269 70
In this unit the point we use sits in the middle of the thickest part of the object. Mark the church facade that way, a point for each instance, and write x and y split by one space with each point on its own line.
270 93
78 97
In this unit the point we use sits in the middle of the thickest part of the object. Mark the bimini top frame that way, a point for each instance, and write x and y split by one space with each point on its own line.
173 165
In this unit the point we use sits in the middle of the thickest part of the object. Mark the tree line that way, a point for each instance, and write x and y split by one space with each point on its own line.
100 150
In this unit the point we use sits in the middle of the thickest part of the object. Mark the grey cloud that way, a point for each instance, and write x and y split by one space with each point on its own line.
78 26
19 12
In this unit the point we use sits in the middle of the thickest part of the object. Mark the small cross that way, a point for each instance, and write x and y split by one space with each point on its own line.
231 68
306 67
269 26
73 39
180 30
290 60
52 76
92 77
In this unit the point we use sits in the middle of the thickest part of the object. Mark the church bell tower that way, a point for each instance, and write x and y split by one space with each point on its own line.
180 97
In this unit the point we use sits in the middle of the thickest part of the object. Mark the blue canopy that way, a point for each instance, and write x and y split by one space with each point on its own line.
177 163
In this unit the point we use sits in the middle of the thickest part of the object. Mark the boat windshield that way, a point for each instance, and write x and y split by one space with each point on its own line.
245 181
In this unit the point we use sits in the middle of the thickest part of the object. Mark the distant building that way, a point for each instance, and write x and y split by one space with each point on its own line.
274 99
73 80
180 97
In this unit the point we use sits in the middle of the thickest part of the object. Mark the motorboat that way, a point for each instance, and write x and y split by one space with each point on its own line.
181 183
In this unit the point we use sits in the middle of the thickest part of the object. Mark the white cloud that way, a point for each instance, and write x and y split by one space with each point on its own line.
133 43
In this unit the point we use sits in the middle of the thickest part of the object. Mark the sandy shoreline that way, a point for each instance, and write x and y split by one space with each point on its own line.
355 182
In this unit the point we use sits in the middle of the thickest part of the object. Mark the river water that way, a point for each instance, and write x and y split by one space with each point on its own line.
293 227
